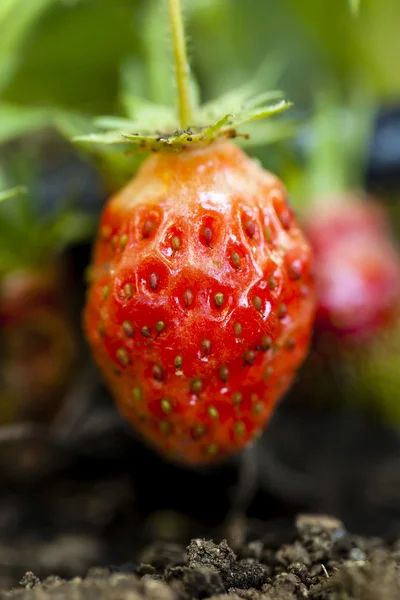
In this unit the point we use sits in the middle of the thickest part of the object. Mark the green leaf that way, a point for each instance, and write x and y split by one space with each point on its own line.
269 71
355 7
8 65
157 51
69 228
17 19
113 123
107 138
133 84
212 130
109 151
261 113
142 114
336 158
74 54
16 121
28 238
270 132
11 193
155 72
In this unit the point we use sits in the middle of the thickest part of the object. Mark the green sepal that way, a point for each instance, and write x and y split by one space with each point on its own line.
163 139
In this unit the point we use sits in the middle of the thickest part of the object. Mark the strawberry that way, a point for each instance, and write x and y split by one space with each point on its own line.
357 267
201 301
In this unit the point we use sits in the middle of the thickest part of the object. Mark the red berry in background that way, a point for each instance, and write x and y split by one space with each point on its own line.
201 303
39 346
357 268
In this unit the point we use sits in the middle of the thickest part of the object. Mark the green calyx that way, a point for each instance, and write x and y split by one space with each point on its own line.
156 128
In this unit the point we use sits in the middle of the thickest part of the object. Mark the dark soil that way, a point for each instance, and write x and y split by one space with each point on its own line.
317 560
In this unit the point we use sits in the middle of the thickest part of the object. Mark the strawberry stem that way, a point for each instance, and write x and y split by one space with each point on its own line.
182 68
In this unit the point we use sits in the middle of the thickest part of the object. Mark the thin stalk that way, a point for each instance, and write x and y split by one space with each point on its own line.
182 69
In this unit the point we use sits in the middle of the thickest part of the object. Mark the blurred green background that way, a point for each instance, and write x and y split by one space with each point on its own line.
71 53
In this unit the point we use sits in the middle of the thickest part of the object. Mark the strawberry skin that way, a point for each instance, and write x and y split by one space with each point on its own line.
357 269
201 300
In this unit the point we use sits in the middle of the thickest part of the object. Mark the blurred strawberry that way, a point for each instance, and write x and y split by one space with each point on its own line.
357 268
39 343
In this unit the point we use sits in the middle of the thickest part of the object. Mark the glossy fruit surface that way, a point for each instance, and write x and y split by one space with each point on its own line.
201 302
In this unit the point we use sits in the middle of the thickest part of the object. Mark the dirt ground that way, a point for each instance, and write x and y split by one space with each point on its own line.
318 559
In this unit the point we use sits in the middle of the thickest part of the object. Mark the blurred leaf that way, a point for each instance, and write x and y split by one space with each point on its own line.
140 106
267 75
11 193
142 114
29 235
334 141
233 102
157 50
355 6
271 132
16 121
375 376
8 65
218 34
357 52
148 86
70 227
117 163
75 52
17 20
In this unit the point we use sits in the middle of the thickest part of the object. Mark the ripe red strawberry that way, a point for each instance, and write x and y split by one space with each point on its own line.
201 302
357 268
